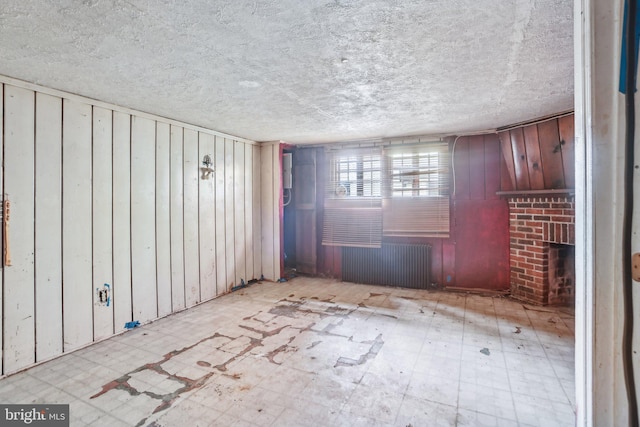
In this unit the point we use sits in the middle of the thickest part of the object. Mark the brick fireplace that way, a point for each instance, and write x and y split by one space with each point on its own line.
542 236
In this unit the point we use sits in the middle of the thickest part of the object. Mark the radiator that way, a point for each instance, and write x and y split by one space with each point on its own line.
403 265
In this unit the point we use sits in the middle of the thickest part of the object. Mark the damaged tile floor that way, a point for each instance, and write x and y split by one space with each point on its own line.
317 352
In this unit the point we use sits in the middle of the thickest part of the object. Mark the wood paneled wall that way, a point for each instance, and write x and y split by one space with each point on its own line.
107 198
480 219
271 210
476 255
539 156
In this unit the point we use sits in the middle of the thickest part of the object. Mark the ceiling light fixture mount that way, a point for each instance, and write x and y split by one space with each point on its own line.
207 170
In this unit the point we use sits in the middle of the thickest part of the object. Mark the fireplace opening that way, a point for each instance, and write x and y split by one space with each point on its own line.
562 274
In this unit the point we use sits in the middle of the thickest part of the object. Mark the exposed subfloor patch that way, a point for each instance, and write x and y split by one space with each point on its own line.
325 352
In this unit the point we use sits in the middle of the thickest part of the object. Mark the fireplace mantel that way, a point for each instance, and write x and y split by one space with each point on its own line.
537 193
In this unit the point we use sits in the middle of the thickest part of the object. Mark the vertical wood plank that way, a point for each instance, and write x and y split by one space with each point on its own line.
143 219
461 157
304 188
121 290
239 199
505 179
325 258
267 204
551 152
507 154
449 263
567 135
102 221
534 162
492 158
278 211
476 168
163 217
48 226
229 214
436 261
248 210
76 222
520 159
207 218
177 222
19 287
257 213
221 244
1 228
191 245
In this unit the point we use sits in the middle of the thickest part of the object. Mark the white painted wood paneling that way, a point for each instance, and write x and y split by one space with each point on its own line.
121 286
102 221
239 201
143 219
177 224
277 199
77 275
257 212
266 212
221 263
268 201
103 196
229 215
19 307
191 244
248 210
48 226
163 218
207 222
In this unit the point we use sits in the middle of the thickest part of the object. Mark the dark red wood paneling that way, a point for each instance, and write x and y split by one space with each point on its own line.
461 158
536 177
492 160
506 184
520 159
507 155
482 244
476 254
566 128
476 167
337 261
448 263
436 261
551 152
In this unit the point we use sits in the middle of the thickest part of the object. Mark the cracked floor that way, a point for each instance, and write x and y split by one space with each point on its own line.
320 352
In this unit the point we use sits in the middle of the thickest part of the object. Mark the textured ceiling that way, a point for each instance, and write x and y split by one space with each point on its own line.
303 71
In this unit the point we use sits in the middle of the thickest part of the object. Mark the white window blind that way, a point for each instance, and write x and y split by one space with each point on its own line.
416 190
353 204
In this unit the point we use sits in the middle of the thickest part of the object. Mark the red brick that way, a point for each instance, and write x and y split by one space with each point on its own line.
561 219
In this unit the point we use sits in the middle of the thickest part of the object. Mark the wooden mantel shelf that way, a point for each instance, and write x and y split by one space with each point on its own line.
537 193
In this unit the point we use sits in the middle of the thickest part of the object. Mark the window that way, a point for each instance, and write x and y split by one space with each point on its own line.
403 192
353 199
357 175
416 174
416 193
